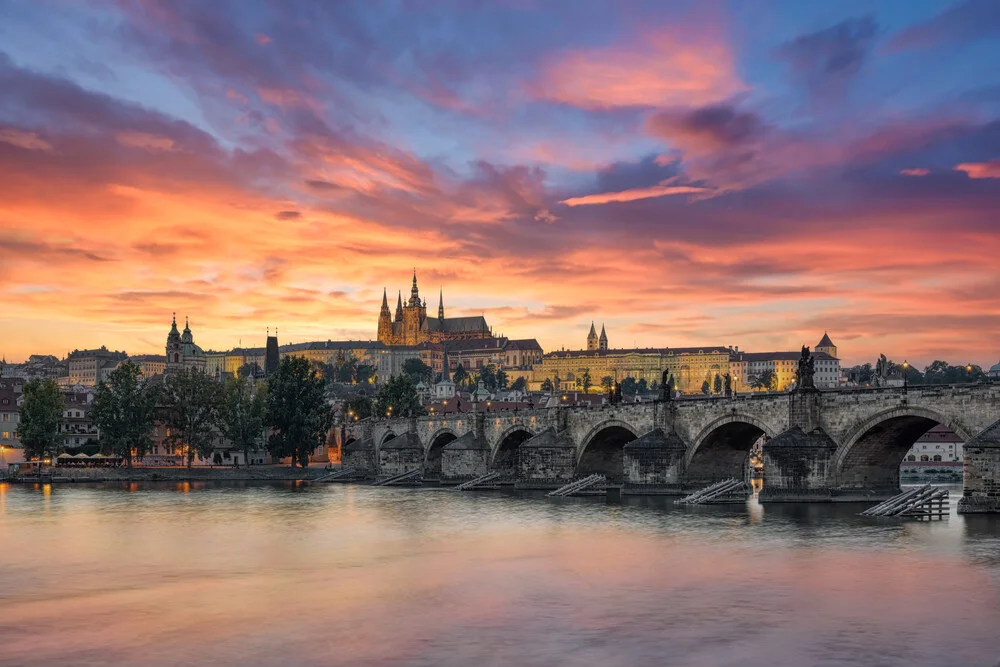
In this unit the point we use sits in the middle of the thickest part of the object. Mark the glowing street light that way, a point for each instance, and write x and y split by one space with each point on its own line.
906 367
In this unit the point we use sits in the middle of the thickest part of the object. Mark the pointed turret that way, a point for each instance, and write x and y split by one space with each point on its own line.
399 307
592 338
414 292
826 345
187 337
385 320
441 304
602 342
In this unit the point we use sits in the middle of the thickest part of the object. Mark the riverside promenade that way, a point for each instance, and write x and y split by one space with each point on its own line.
258 473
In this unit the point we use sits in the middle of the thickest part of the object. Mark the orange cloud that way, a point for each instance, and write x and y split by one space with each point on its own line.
989 169
661 68
634 194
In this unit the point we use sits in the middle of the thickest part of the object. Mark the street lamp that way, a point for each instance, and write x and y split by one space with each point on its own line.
906 367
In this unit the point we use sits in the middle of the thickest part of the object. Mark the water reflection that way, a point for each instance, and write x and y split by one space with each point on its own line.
260 574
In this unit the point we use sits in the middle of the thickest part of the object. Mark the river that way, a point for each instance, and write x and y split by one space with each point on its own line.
271 574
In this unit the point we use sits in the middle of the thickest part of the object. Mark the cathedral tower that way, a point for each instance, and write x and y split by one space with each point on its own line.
384 320
602 343
592 338
173 347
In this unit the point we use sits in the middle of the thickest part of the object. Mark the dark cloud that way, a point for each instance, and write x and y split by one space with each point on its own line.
158 249
323 186
720 125
965 21
288 215
825 60
645 172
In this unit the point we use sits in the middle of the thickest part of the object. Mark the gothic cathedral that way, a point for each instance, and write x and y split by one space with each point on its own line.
411 326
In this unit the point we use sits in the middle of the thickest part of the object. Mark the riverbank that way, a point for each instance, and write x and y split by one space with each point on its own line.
261 473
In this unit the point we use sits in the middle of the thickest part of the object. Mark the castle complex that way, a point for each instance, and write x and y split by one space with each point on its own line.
411 326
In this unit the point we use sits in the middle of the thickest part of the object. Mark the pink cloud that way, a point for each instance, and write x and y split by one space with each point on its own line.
989 169
915 172
659 68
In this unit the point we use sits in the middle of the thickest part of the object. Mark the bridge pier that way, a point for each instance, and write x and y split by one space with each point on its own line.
547 461
464 458
654 464
981 492
400 454
798 466
360 455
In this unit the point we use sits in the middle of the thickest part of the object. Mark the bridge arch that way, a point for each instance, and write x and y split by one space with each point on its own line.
873 450
386 437
505 453
721 449
602 449
432 458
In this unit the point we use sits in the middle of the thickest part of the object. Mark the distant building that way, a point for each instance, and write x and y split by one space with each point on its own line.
744 367
10 412
77 426
90 367
182 353
150 364
690 366
411 325
595 342
994 371
938 445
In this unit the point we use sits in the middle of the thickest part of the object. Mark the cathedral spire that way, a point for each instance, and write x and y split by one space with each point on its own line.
399 307
441 304
385 300
414 292
602 343
592 338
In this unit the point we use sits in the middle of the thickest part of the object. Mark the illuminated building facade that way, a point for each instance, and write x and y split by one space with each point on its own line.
411 326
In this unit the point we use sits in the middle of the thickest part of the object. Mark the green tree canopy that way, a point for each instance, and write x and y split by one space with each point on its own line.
642 386
123 410
358 408
606 383
41 413
398 398
706 388
487 376
519 384
629 386
717 384
191 401
297 410
418 371
547 385
244 413
364 373
586 380
460 376
766 380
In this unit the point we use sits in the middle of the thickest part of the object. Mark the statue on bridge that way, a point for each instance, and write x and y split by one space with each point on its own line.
667 386
729 385
805 376
880 376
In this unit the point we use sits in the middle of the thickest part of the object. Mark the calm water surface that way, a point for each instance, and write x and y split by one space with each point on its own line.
346 575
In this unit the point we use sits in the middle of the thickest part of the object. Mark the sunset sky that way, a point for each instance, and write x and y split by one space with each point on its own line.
688 173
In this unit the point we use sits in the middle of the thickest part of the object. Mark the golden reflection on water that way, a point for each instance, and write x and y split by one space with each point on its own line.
328 574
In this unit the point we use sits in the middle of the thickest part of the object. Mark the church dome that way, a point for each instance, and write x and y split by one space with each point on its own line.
995 369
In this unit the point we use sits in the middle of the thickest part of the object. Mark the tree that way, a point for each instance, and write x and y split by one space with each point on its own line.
459 377
501 376
123 410
629 386
398 398
519 384
41 412
587 381
191 402
364 373
250 369
706 388
297 411
357 408
717 385
766 380
418 370
606 383
345 370
546 384
243 414
487 375
642 386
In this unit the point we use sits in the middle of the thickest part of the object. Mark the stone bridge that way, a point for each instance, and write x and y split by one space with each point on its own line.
818 445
